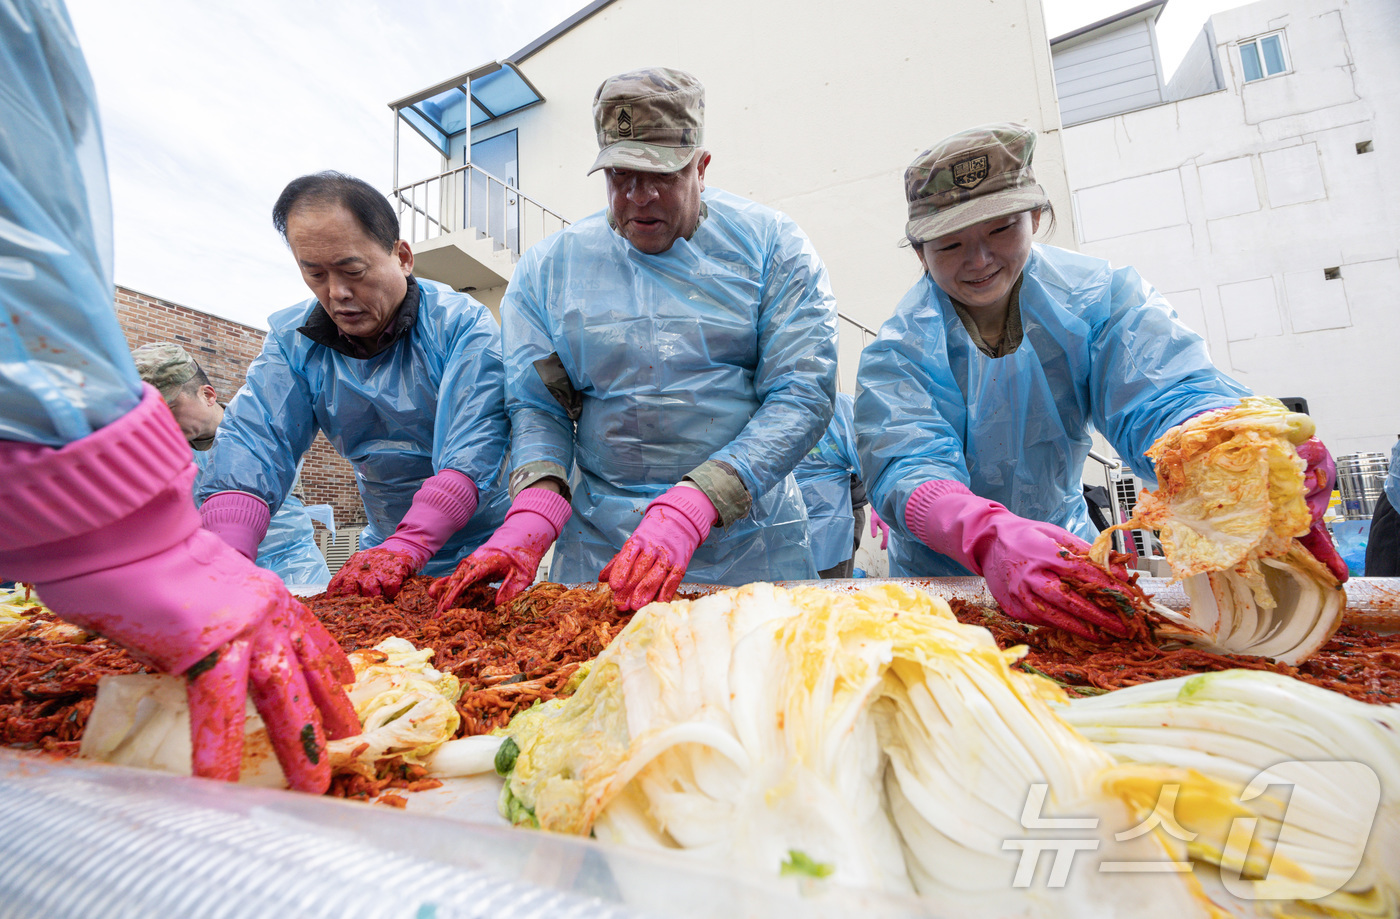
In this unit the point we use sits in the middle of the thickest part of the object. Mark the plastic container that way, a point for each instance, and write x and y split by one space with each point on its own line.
1350 537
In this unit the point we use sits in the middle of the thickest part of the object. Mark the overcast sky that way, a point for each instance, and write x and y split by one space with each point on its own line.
209 108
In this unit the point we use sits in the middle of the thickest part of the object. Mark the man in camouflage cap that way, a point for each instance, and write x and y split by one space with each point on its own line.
649 120
650 125
975 175
289 547
185 388
677 352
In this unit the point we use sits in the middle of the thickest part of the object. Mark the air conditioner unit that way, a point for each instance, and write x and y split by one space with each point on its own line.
337 552
1126 488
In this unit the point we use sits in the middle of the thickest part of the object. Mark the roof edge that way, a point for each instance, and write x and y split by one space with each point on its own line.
492 66
1116 17
568 24
460 79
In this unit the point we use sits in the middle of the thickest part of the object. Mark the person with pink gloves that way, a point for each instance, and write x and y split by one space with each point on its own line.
879 529
975 403
669 360
402 375
97 473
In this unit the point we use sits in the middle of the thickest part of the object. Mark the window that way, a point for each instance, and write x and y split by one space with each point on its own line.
1263 57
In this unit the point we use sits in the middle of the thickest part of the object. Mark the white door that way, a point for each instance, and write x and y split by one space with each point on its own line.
496 209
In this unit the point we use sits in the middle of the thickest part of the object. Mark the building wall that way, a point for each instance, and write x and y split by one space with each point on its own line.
816 114
1269 212
1199 71
1107 72
224 349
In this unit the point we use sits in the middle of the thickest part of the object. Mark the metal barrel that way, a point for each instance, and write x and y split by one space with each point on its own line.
1361 480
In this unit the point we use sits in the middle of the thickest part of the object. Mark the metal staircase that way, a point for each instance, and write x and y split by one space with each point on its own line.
467 227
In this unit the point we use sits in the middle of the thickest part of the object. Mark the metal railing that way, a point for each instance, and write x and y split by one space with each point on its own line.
845 378
866 332
468 197
1122 485
1114 504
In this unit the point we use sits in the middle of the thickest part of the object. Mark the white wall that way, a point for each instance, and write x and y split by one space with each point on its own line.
1236 203
1199 70
815 113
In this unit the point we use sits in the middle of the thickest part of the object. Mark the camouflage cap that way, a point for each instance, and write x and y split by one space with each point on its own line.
975 175
165 365
650 120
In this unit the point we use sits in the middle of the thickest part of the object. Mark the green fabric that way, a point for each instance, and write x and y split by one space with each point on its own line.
722 485
530 473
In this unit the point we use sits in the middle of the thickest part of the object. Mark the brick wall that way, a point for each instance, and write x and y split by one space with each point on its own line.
225 349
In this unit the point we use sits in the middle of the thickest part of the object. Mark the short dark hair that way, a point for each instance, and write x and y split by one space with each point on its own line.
197 381
370 208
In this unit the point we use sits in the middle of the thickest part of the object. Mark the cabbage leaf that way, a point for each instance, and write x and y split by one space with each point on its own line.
1235 726
406 707
1229 507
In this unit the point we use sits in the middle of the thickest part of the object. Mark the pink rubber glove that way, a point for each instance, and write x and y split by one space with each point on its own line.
535 519
113 543
238 518
653 560
442 505
1319 477
879 528
1025 562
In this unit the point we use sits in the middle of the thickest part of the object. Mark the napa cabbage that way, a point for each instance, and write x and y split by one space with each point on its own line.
406 707
17 609
1229 506
872 733
1315 774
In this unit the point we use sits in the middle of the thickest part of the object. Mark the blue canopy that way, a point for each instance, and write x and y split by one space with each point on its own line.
448 109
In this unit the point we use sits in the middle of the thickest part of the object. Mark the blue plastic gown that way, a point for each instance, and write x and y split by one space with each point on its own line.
824 475
721 348
289 549
1101 348
1392 477
434 400
65 368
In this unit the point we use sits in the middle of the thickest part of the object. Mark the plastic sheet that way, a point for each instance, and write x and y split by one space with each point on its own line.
83 840
824 475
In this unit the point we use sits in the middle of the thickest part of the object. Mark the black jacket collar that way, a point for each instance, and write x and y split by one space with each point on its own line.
321 328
